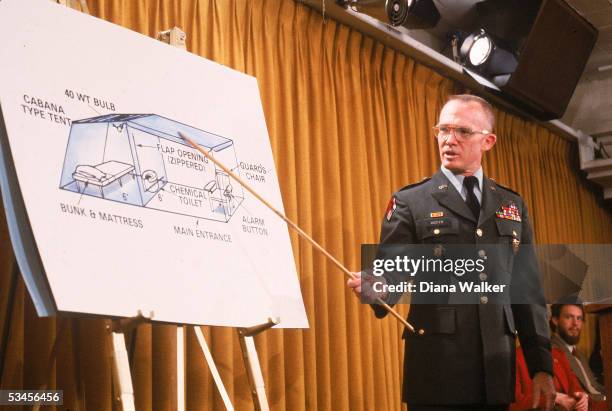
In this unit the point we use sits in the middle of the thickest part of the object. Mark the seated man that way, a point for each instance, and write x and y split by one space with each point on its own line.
567 321
569 396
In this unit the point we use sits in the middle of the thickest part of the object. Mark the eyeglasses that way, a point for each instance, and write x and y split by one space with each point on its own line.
460 133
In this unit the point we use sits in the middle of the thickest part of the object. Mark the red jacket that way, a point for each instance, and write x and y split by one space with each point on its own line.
564 378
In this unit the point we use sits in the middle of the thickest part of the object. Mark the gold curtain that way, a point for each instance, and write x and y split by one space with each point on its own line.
350 122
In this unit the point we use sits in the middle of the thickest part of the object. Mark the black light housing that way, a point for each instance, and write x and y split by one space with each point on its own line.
422 14
412 14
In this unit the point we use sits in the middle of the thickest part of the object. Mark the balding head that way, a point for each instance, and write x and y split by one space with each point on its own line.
487 109
464 133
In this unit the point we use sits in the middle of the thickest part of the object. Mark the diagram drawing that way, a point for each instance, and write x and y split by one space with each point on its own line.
140 159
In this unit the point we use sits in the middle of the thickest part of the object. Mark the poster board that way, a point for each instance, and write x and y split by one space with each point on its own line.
124 215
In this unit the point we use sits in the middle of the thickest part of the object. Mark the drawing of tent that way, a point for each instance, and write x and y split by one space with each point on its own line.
139 159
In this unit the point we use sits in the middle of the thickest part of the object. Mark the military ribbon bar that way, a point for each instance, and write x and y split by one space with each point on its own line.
510 212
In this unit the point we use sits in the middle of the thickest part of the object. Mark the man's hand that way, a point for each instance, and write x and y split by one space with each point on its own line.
564 402
355 283
582 401
362 285
543 386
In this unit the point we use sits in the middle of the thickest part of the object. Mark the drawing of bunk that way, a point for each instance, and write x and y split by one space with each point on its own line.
101 175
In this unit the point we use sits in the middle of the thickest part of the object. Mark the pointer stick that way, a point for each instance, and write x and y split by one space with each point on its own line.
292 225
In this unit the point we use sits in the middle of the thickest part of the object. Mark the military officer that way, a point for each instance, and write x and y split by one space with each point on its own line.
462 356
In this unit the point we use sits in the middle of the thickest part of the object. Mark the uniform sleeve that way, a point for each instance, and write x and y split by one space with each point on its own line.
397 228
530 319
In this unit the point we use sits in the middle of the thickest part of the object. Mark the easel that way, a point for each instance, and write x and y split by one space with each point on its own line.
116 330
122 380
123 391
177 38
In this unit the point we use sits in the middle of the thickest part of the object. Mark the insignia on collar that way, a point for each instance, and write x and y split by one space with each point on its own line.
442 187
391 207
509 212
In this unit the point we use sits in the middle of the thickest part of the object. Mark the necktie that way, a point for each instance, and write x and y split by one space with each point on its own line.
471 200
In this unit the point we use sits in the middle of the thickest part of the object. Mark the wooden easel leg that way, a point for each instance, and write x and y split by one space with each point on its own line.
256 381
180 367
122 377
251 361
213 368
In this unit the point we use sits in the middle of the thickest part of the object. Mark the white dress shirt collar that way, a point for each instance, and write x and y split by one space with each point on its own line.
457 182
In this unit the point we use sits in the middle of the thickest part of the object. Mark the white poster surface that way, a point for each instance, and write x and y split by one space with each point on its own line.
126 216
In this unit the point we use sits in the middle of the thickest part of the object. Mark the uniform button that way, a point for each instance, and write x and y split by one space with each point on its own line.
479 232
421 331
482 276
484 299
482 253
514 233
437 231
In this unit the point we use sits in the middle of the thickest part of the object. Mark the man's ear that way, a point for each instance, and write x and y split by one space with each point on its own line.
555 321
489 142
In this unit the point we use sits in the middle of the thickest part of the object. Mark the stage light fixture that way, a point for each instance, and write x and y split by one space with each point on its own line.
412 14
480 52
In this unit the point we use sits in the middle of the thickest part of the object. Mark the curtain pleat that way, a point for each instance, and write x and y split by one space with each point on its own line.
349 122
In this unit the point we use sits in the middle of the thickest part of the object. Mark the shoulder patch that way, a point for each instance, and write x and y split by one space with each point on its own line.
409 186
391 207
504 187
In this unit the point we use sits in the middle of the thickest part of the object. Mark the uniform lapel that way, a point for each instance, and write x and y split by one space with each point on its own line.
588 373
491 198
447 195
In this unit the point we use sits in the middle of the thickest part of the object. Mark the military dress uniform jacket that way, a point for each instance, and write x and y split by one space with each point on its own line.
465 353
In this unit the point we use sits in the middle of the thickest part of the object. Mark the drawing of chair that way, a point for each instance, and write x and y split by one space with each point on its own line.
230 202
